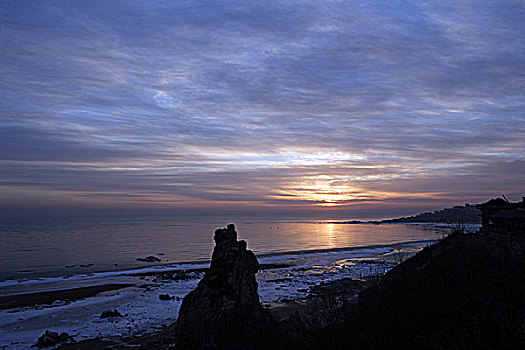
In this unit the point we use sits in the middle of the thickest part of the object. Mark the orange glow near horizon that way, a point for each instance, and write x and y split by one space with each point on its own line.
321 190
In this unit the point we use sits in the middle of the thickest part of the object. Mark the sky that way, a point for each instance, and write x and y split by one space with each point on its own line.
343 109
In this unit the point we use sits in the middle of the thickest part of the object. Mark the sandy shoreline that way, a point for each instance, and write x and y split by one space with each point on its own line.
74 305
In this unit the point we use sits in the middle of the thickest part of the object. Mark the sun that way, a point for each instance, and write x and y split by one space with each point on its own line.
322 190
329 204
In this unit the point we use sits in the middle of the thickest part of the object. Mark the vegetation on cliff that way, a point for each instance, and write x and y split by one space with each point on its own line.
465 292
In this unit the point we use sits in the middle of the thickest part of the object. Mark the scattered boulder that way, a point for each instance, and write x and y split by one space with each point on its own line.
224 311
52 338
150 258
166 297
175 276
110 313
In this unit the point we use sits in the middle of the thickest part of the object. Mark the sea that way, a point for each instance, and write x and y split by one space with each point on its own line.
72 246
74 253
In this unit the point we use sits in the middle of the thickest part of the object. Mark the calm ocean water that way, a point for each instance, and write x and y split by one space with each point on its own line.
71 247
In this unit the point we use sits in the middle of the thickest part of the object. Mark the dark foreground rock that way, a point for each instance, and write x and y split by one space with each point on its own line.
465 292
224 311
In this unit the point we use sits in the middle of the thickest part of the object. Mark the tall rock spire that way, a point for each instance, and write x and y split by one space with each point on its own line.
222 312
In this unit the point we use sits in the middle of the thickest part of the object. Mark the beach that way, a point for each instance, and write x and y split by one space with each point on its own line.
148 298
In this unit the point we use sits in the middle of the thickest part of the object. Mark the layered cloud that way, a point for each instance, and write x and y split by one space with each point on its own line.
339 105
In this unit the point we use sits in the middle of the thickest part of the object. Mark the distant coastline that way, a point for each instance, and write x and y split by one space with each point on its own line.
465 214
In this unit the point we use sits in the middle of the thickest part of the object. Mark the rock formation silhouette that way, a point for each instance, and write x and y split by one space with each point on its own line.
224 310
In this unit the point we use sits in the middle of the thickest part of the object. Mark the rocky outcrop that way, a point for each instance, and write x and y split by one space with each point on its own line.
110 313
224 311
52 338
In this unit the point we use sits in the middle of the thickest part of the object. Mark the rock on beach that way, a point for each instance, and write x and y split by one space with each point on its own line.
224 310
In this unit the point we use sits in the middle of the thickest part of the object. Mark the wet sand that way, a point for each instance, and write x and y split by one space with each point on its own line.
48 297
